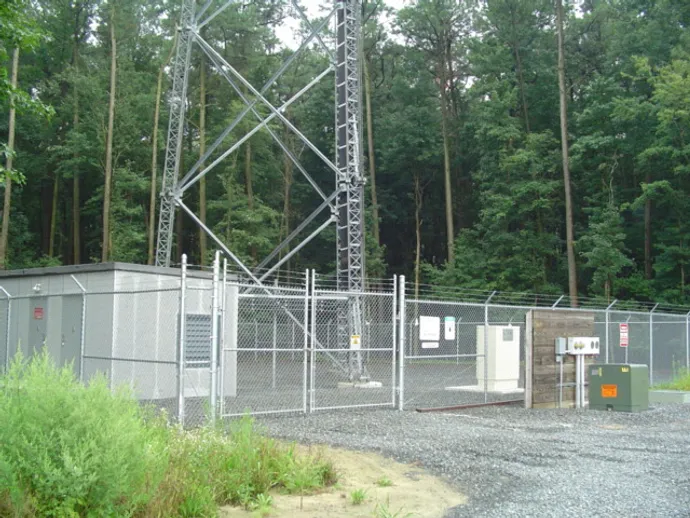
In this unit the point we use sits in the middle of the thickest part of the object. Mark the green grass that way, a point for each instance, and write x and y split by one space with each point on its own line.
384 511
681 381
358 496
384 482
71 450
263 505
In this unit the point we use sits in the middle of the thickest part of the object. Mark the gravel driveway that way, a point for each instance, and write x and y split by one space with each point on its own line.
515 462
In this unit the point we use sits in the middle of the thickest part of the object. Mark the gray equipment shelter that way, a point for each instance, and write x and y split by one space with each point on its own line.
130 316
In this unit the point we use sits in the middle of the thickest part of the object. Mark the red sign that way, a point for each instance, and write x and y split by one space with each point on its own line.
624 335
38 313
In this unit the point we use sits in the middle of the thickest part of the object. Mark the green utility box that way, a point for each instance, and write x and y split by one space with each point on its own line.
620 387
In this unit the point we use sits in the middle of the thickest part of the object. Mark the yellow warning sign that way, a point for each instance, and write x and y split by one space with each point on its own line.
355 342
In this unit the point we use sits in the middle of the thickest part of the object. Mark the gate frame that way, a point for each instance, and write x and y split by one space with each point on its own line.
326 295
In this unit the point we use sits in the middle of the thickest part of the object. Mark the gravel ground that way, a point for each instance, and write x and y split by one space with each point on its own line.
515 462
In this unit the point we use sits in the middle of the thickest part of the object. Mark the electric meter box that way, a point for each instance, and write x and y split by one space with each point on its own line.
583 345
620 387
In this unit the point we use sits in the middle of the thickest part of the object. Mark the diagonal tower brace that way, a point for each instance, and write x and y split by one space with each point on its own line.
346 203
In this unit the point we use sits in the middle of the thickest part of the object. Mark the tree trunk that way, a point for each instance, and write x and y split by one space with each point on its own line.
446 174
370 145
248 183
521 80
76 217
109 140
648 272
518 62
248 174
288 167
682 280
76 191
53 215
572 269
154 154
229 181
418 234
8 168
202 150
682 265
607 290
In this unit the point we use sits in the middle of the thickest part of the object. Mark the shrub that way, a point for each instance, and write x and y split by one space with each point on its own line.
68 450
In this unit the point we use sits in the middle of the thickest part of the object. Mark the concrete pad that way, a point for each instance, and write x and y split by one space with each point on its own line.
360 384
479 388
669 396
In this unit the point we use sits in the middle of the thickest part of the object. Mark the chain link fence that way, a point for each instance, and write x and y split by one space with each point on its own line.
200 346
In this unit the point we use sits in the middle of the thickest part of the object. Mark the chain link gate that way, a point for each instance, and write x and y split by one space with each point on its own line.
264 358
447 353
332 356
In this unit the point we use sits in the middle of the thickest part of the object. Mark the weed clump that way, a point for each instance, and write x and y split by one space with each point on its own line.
67 449
358 496
681 382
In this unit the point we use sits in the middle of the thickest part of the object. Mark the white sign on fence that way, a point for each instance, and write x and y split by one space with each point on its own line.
623 328
430 329
449 328
355 342
429 345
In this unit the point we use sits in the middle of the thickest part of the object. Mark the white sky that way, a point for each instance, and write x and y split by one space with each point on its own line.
287 32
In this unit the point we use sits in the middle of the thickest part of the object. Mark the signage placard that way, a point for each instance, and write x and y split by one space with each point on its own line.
623 335
429 329
449 328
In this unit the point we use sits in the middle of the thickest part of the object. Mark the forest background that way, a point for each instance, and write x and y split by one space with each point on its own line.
466 104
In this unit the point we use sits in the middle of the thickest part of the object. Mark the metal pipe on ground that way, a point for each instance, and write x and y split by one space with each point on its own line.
470 405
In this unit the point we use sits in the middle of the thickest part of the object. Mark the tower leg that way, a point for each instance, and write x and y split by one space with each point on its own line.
173 151
350 230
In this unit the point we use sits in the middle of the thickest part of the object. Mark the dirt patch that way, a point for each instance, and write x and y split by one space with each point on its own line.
413 492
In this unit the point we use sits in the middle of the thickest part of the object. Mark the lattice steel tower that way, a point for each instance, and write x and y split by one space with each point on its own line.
346 203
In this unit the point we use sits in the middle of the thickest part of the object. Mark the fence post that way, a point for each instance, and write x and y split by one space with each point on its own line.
607 327
401 349
651 345
396 383
256 335
82 343
687 341
275 346
312 381
627 320
305 335
221 341
181 345
7 328
486 347
214 338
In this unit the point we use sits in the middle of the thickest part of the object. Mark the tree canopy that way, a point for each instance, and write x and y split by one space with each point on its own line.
463 146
